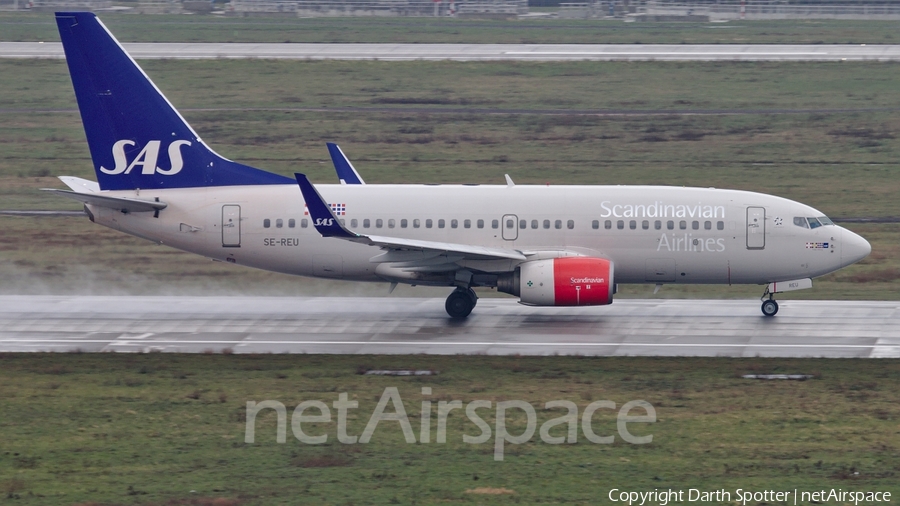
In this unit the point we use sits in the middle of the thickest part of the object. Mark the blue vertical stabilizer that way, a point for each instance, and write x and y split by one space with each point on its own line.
136 137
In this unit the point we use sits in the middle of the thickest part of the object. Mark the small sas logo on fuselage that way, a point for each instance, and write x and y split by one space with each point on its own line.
146 159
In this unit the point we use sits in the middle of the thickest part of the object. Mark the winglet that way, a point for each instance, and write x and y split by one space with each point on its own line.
509 181
345 170
322 216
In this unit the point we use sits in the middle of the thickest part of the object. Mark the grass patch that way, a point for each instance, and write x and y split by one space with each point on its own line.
278 29
94 438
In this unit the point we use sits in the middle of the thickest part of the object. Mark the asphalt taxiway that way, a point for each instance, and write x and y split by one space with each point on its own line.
485 52
356 325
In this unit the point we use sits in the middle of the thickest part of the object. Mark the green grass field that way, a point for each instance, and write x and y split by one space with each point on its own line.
180 28
168 429
843 163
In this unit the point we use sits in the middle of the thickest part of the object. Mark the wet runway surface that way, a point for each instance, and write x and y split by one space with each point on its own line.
485 52
357 325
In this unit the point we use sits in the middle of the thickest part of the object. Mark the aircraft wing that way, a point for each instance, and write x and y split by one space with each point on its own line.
345 170
329 225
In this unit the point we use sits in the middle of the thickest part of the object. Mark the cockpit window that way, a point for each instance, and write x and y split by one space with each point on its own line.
810 222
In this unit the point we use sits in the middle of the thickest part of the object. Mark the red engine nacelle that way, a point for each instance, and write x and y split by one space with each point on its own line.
571 281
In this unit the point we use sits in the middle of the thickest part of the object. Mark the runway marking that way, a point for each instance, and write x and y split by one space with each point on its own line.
661 53
446 343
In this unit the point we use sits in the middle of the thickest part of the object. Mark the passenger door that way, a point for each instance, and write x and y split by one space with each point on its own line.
231 226
756 228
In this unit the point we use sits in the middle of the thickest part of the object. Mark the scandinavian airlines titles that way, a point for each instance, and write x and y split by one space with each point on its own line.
660 210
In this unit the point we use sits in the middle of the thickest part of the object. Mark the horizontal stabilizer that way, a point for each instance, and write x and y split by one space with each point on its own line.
123 204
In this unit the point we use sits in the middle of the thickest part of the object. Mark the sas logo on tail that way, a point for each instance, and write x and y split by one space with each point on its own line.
324 222
146 159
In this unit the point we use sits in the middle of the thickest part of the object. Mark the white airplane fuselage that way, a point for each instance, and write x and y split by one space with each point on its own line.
547 245
653 234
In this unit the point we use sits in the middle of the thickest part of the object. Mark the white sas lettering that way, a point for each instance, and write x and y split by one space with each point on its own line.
118 152
147 158
324 222
174 158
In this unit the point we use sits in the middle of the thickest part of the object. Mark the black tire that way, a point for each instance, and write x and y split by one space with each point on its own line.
459 304
770 308
472 296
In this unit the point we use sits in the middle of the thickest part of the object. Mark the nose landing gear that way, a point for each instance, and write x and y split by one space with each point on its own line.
769 306
460 303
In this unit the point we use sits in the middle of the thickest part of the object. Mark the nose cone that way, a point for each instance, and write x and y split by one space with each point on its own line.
854 248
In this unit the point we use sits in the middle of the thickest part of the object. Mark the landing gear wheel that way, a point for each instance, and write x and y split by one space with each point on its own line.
769 307
460 303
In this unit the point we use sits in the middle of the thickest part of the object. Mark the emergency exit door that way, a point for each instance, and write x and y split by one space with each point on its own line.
231 226
756 228
510 226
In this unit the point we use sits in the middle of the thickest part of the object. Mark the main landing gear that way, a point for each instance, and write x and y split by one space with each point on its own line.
769 306
460 303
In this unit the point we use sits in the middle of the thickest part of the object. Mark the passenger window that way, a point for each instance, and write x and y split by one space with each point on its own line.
657 225
510 223
403 223
280 223
379 223
620 224
354 223
416 223
441 223
304 223
720 225
428 223
343 222
595 224
557 224
267 223
480 223
570 224
632 224
546 223
607 224
682 225
645 224
495 223
695 225
707 225
670 225
391 223
454 223
523 224
292 223
366 223
467 223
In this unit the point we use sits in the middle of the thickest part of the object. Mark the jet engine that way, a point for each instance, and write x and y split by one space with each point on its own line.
571 281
